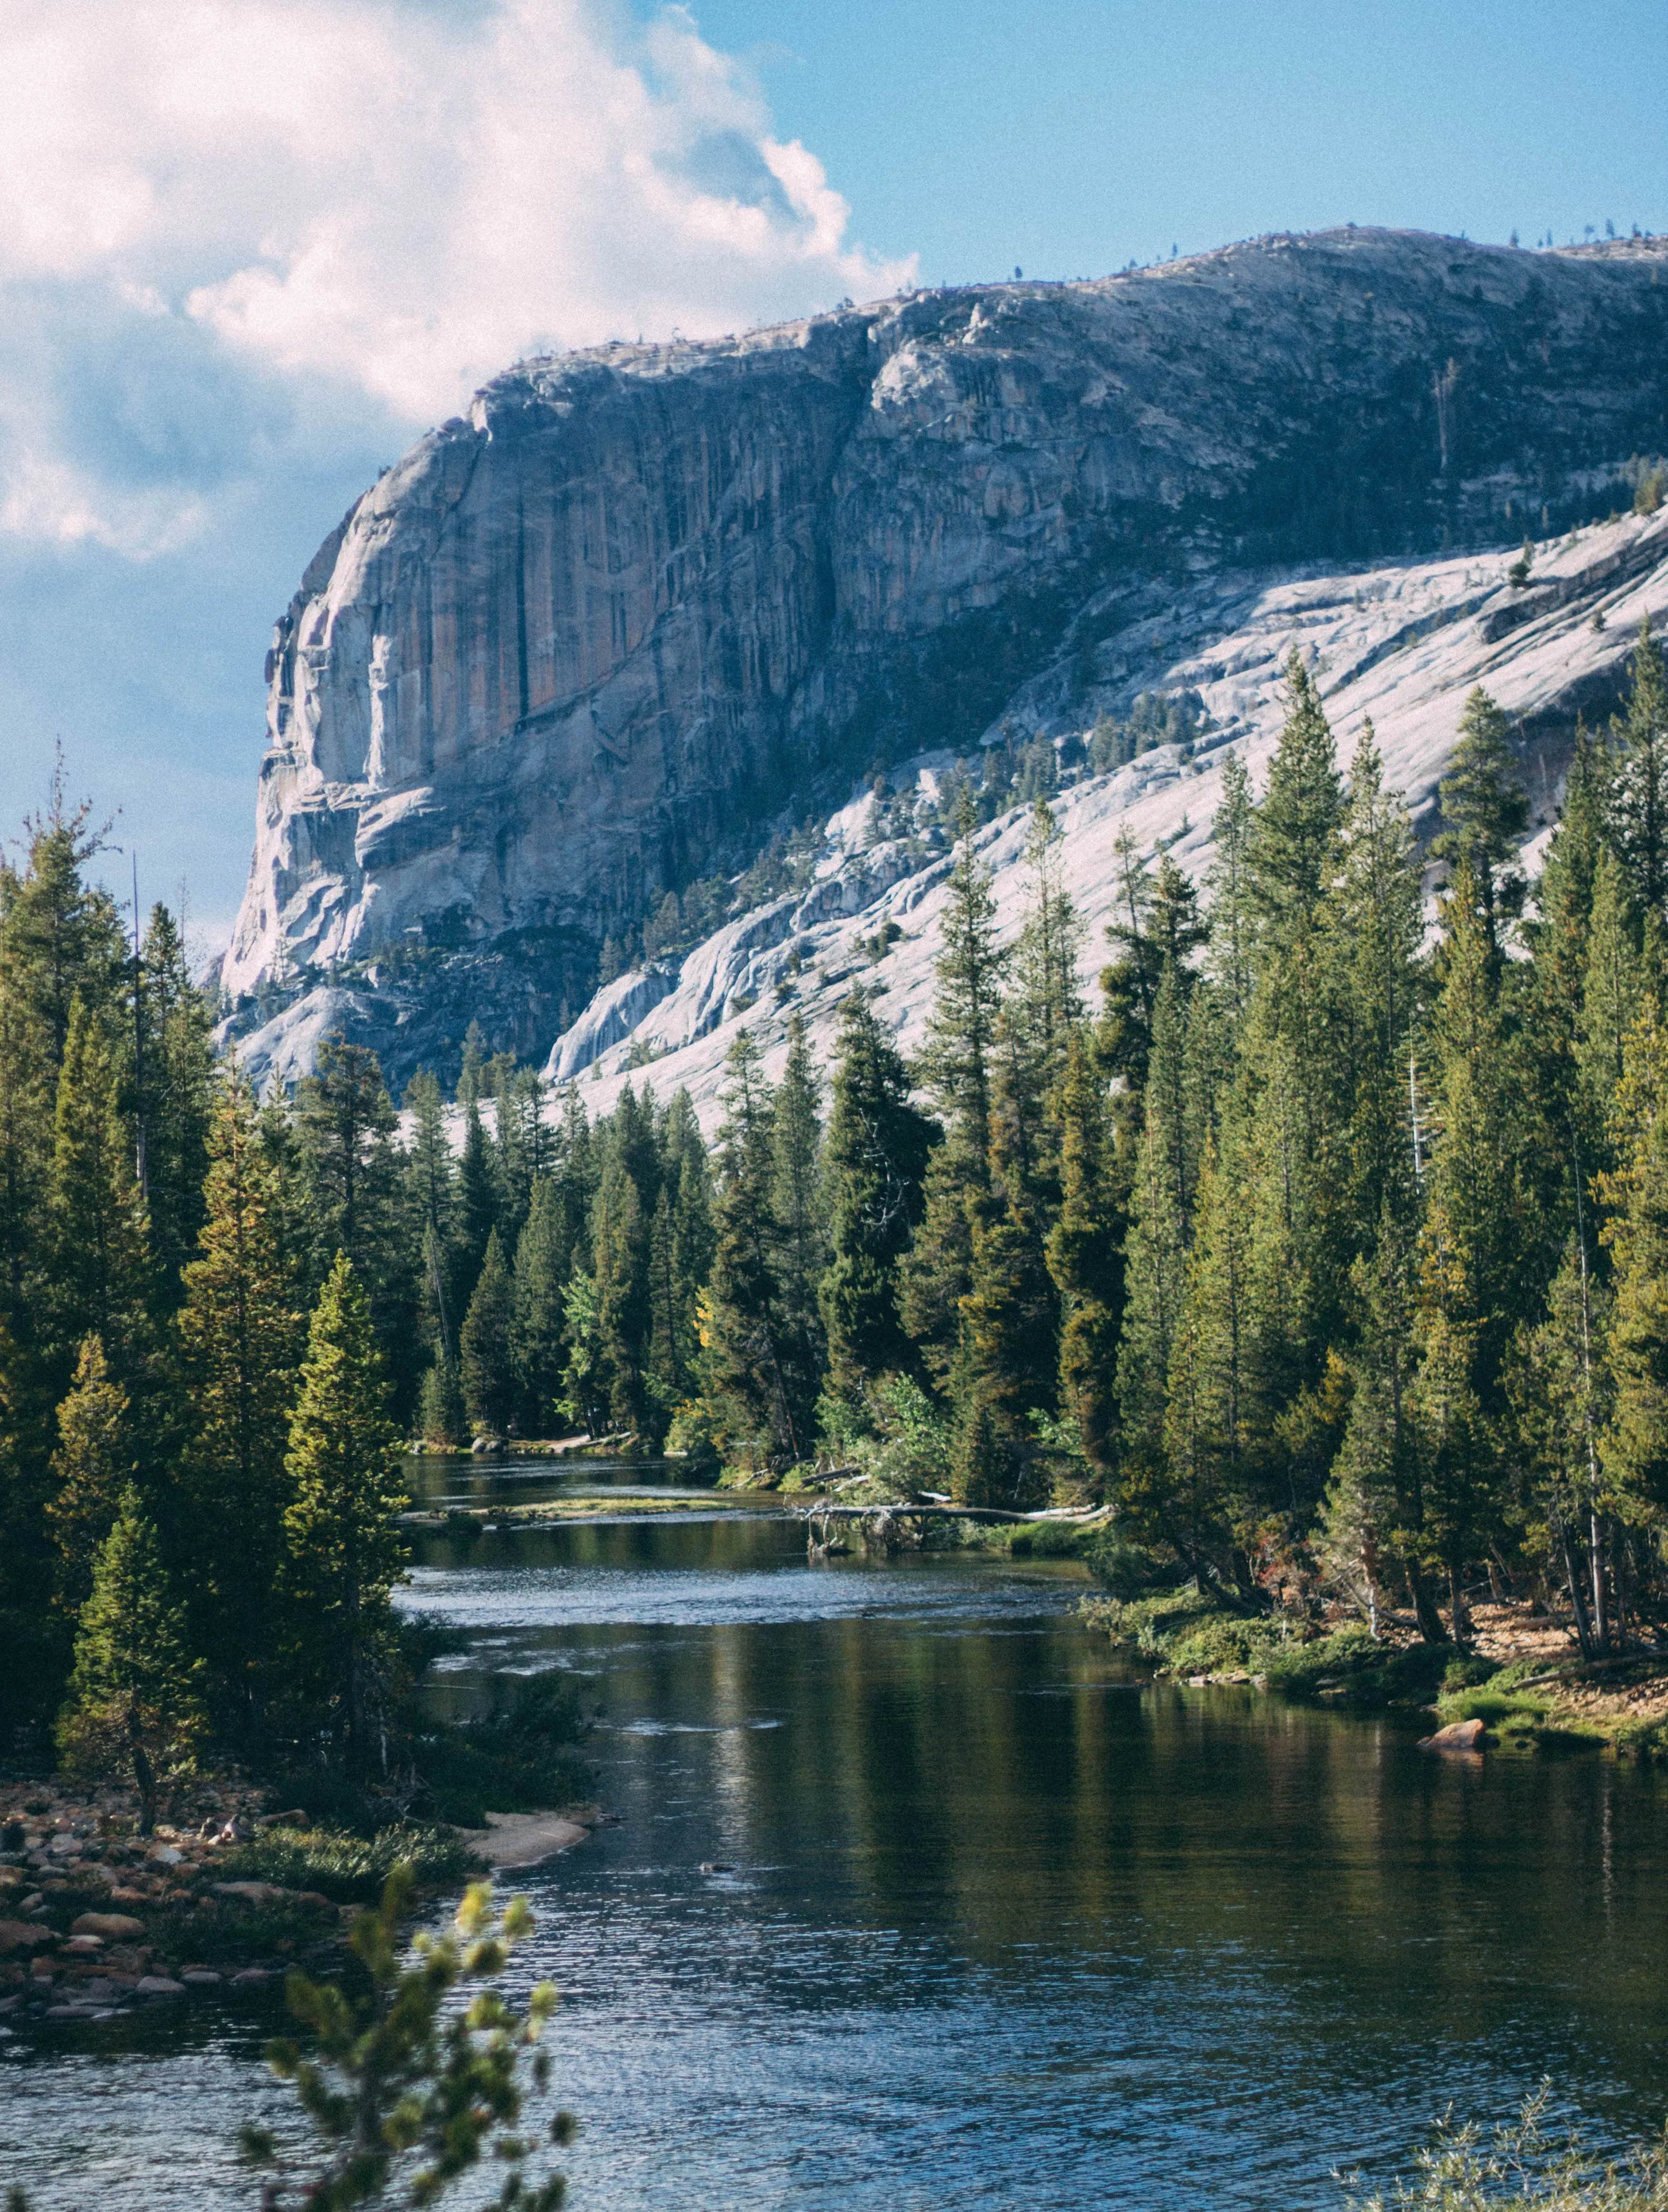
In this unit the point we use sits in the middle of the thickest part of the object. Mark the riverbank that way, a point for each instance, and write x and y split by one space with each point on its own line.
96 1921
1521 1675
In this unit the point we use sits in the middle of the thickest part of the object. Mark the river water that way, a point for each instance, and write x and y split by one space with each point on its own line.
995 1922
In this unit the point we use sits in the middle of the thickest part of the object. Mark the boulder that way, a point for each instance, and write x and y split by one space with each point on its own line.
23 1935
1458 1735
113 1927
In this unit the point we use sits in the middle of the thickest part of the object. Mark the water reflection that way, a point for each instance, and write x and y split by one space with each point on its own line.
1004 1925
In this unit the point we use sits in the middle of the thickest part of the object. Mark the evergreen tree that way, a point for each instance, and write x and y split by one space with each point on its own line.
1156 1259
801 1236
1476 1212
1641 799
345 1126
1231 928
1379 928
1086 1258
134 1705
1612 989
101 1263
1292 848
486 1366
443 1418
173 1096
874 1161
240 1335
544 1257
619 1249
431 1186
343 1550
748 1381
1485 811
1559 1387
92 1471
479 1201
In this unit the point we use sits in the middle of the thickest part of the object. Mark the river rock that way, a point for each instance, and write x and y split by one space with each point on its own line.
84 1947
201 1978
165 1855
158 1985
1457 1736
23 1935
113 1927
252 1892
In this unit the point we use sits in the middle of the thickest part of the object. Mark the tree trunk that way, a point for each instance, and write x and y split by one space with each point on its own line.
1424 1607
1460 1625
1578 1603
144 1774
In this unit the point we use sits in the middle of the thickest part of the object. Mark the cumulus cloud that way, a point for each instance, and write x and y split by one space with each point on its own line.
233 229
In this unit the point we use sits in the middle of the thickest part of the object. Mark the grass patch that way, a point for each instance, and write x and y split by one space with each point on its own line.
350 1869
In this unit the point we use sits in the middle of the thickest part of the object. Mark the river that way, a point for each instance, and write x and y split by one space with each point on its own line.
1000 1923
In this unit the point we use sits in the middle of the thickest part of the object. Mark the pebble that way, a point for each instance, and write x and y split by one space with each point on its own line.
158 1985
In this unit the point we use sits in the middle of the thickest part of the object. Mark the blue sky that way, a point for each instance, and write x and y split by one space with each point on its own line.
239 270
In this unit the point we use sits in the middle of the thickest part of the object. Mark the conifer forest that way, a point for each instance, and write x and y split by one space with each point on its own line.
1324 1245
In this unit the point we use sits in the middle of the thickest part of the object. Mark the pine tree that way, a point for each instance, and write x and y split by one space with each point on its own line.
92 1471
962 1028
746 1379
544 1257
1641 784
345 1126
1380 921
1485 811
134 1705
443 1418
240 1336
620 1252
1559 1387
1086 1258
486 1366
1156 1251
801 1235
875 1159
101 1262
1459 1471
431 1189
1210 1429
479 1201
343 1550
1293 848
1612 989
1231 928
1475 1195
173 1100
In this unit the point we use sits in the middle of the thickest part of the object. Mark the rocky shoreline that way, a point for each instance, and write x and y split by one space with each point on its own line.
97 1921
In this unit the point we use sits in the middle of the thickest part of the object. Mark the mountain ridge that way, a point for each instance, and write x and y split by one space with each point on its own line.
581 646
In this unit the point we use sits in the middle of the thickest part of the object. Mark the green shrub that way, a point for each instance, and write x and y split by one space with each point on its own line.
349 1869
519 1757
1495 1708
230 1931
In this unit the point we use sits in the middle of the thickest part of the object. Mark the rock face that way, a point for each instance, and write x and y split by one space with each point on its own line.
1400 643
581 646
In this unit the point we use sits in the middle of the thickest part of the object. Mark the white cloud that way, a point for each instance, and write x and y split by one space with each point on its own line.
231 229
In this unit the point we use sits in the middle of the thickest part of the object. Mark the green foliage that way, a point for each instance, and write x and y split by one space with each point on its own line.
349 1869
134 1707
405 2089
343 1550
1523 2168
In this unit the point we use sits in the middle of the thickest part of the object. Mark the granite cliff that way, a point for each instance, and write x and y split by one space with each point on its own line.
589 642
